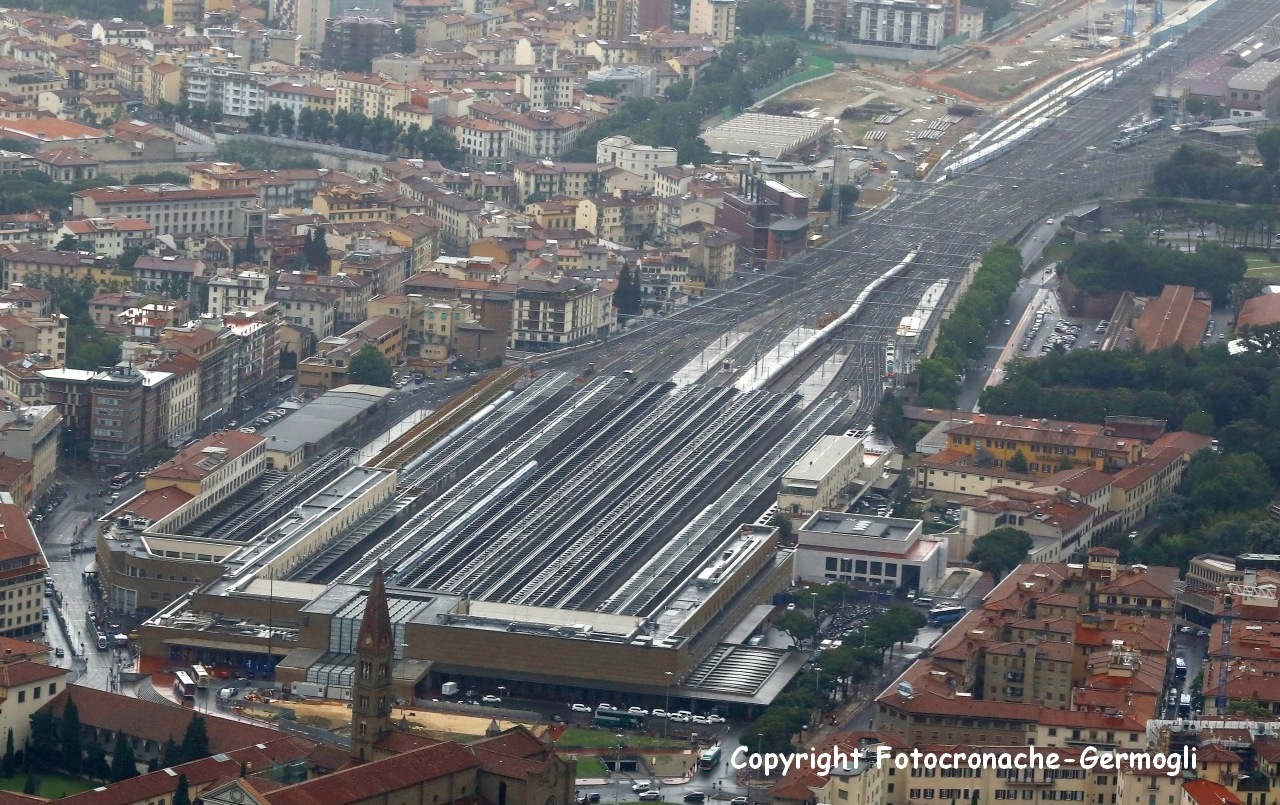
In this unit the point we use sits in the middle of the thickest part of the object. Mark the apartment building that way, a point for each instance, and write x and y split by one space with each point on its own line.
904 26
27 263
21 331
553 314
307 307
169 274
106 236
217 350
431 324
22 587
346 204
546 89
371 96
715 18
230 292
175 210
30 433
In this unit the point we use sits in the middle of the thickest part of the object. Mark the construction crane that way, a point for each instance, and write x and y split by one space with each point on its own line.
1130 19
1233 595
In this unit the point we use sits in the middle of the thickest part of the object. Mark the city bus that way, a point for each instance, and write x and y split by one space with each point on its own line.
183 685
709 759
939 616
200 675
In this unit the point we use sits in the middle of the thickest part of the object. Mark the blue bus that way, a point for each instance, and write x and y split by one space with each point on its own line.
940 616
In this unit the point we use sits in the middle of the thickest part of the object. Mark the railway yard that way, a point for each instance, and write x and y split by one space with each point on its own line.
572 532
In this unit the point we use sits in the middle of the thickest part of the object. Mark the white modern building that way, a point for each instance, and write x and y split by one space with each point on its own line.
866 550
642 160
817 479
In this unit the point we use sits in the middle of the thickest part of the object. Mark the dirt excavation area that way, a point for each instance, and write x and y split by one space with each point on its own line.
336 716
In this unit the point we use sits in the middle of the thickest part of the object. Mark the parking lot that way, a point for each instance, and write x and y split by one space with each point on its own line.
1048 330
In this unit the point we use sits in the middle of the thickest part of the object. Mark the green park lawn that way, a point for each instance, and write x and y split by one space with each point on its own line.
52 786
577 738
590 767
1261 267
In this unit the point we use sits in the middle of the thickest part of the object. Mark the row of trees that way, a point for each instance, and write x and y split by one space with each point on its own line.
676 120
1133 263
1194 172
963 337
87 346
197 114
57 745
629 295
32 190
259 155
353 130
835 670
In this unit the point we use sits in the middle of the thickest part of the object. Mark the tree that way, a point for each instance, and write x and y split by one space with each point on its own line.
782 522
43 753
370 367
889 420
181 796
609 89
408 39
124 764
10 759
628 295
71 747
999 551
315 250
68 243
796 625
1018 463
171 755
195 743
1268 145
95 762
32 785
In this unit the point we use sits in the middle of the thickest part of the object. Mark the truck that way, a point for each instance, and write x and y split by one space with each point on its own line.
449 689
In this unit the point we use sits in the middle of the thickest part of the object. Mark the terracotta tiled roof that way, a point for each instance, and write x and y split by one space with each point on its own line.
140 718
193 464
379 778
17 540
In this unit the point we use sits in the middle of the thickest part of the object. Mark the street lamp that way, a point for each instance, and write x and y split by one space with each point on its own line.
666 705
865 627
617 767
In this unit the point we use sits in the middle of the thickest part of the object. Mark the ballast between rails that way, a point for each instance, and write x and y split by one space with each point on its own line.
820 337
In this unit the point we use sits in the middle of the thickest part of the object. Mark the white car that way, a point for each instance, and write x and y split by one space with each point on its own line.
714 719
579 708
603 706
640 711
649 796
643 785
680 718
701 720
658 712
1049 221
490 699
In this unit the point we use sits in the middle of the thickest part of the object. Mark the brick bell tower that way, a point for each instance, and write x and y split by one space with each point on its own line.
371 693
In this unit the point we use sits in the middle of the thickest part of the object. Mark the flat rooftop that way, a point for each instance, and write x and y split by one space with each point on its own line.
320 418
825 456
896 529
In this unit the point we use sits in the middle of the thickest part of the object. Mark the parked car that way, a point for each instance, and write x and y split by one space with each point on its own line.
643 785
650 796
60 652
579 708
695 796
490 699
658 712
640 711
